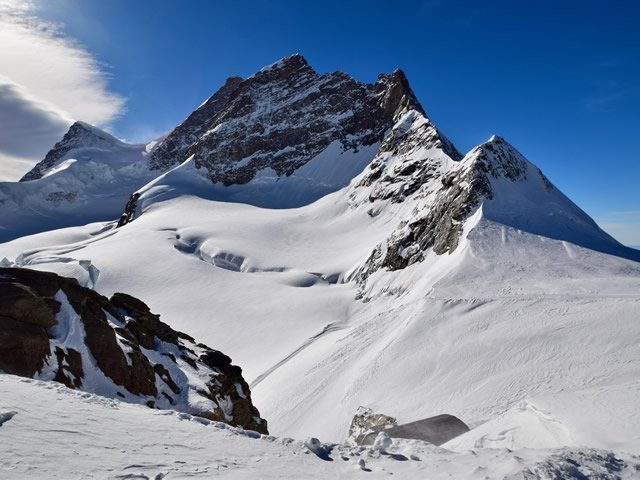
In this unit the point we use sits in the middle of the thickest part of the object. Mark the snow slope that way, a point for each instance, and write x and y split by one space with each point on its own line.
507 316
90 435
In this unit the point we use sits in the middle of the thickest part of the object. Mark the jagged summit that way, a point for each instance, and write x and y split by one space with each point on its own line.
283 117
400 97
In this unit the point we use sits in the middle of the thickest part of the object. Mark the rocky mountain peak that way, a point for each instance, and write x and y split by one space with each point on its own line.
85 130
79 135
397 96
446 193
493 176
173 148
283 117
287 67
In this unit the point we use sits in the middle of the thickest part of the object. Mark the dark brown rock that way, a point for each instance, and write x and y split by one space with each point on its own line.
215 359
18 301
24 347
147 324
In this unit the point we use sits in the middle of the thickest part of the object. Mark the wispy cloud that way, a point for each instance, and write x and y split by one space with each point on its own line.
611 83
607 94
47 80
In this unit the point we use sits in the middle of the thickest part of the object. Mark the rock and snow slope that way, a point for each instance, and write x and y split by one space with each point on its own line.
51 328
433 283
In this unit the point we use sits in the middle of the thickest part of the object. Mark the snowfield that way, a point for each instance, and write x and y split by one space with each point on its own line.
90 436
507 317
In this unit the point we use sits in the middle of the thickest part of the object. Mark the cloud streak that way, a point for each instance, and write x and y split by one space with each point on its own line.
47 80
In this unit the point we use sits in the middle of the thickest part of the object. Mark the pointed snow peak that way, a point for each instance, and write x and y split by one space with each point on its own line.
497 142
497 158
80 125
296 60
85 130
79 135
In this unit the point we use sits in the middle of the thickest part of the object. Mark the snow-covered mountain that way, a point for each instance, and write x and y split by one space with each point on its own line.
86 177
288 125
84 141
282 138
428 282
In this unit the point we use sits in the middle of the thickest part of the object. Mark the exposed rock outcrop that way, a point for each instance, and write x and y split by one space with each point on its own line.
366 424
129 210
53 329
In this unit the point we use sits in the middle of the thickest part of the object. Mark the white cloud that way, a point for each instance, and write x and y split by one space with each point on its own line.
47 81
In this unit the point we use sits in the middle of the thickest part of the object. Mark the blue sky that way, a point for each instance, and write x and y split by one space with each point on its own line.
559 80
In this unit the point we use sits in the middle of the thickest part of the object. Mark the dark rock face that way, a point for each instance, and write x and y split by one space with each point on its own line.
129 210
282 117
19 301
24 347
79 135
145 359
